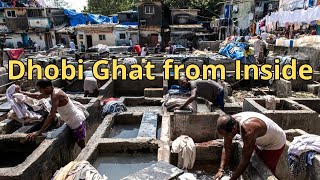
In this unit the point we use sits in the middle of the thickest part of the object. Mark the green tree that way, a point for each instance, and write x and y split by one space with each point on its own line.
108 7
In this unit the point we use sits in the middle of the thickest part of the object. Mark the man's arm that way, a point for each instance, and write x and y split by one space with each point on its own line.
248 148
226 153
50 118
32 95
225 157
191 99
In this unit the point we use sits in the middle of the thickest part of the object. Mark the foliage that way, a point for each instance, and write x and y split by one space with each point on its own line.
108 7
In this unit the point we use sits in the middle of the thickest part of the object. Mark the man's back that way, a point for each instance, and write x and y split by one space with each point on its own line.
207 89
274 137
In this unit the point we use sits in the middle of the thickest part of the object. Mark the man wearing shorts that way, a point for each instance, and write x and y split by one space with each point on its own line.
259 133
61 103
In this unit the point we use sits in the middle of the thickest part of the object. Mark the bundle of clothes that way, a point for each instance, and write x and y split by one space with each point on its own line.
25 109
112 106
172 102
78 170
301 153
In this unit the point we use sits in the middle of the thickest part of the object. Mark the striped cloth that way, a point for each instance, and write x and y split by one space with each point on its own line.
113 107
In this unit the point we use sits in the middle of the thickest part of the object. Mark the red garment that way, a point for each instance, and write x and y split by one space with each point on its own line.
110 99
137 49
15 54
270 157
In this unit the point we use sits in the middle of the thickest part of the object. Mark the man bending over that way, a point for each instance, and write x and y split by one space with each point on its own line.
259 133
62 104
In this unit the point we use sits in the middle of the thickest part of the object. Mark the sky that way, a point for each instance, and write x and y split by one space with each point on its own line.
77 4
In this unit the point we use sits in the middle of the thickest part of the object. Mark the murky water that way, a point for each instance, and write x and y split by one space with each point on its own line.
201 108
204 171
12 159
159 127
116 166
125 131
144 109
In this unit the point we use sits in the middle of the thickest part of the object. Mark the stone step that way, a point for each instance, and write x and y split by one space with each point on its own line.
5 107
148 127
27 129
159 171
153 92
313 88
7 126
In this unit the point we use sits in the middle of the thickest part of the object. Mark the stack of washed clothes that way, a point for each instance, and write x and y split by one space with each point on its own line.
111 106
171 102
301 153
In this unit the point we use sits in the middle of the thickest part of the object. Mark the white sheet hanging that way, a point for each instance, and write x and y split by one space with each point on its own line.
186 148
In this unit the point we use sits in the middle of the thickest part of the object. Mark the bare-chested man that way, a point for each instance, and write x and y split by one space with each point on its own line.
259 133
61 103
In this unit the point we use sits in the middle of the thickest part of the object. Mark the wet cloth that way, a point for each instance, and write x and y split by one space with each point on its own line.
79 134
20 108
186 150
78 170
90 84
113 107
298 164
71 115
172 102
15 54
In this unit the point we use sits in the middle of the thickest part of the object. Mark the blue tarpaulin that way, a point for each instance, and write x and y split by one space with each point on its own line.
80 18
234 51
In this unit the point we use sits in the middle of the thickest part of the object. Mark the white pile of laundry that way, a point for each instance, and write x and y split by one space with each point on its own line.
301 153
20 103
78 170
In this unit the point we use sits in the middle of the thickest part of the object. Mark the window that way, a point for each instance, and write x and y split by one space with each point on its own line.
102 37
149 9
11 14
81 36
122 36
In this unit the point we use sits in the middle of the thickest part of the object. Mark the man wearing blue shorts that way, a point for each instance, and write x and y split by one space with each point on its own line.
207 89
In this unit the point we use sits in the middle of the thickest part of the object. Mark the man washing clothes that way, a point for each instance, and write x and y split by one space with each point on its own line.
259 133
208 89
90 84
62 104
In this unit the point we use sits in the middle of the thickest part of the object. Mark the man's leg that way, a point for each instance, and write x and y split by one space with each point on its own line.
270 158
80 134
220 100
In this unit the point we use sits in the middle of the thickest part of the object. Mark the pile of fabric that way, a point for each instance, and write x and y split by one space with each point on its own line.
301 153
78 170
112 106
234 51
100 48
186 150
26 109
271 102
171 102
130 61
176 90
